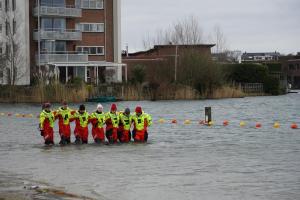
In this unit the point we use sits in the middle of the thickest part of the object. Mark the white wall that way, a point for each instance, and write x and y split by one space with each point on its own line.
117 38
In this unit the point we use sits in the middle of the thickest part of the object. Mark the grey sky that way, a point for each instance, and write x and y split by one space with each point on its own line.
249 25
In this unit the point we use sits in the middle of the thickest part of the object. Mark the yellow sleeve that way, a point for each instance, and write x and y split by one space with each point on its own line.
92 116
104 119
149 119
42 119
107 116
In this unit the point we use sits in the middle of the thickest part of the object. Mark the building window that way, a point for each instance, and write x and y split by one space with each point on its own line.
94 50
0 28
56 47
53 3
291 67
92 4
0 4
53 24
1 50
90 27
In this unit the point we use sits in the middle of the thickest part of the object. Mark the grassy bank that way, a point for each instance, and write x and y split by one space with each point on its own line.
71 93
43 93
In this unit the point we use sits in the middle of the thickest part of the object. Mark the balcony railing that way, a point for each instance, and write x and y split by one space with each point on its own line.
58 34
61 57
55 11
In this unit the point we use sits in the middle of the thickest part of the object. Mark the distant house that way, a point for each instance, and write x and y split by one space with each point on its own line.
228 57
163 55
291 66
260 57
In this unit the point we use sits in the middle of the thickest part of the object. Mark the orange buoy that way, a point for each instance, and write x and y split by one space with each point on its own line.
225 123
294 126
174 121
258 125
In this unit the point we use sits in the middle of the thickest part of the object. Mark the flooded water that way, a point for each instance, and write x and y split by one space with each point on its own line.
180 161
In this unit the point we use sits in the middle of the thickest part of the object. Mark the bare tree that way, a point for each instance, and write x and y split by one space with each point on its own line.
12 57
219 39
185 31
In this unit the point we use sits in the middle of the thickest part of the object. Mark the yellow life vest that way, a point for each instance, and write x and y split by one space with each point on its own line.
100 118
139 121
83 118
126 121
114 119
65 114
47 115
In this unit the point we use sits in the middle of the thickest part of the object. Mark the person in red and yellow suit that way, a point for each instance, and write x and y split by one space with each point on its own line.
141 121
81 128
97 119
112 124
65 116
124 134
47 119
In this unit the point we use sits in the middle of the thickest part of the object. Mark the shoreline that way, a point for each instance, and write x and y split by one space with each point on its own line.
15 188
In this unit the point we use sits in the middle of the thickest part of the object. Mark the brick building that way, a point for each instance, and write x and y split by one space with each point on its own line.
291 66
161 55
64 39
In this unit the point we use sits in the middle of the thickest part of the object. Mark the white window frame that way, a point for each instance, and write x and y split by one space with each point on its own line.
97 54
80 27
97 3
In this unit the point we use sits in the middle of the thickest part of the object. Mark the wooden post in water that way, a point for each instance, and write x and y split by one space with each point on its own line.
208 114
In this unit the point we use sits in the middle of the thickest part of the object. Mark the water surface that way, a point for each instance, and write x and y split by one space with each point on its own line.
180 161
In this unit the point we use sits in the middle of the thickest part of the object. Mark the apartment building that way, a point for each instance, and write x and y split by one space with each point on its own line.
65 39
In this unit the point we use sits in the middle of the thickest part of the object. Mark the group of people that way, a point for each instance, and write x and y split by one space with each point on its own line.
115 126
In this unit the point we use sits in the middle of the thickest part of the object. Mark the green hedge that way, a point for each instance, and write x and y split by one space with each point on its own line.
271 85
274 67
254 73
246 73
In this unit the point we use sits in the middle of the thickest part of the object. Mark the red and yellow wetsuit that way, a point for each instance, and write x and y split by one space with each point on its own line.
98 121
47 119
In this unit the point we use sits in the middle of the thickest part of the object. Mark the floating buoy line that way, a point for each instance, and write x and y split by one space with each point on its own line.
225 123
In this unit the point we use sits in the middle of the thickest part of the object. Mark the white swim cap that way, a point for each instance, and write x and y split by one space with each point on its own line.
99 107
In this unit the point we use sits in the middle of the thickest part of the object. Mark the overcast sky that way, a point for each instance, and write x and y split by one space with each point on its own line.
249 25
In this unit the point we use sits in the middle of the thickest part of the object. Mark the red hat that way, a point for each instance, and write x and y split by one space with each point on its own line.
138 109
113 107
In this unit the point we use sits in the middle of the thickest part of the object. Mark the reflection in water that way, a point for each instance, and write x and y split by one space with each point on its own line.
180 161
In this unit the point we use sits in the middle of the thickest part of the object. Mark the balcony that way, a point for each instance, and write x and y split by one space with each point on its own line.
58 34
61 57
53 11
